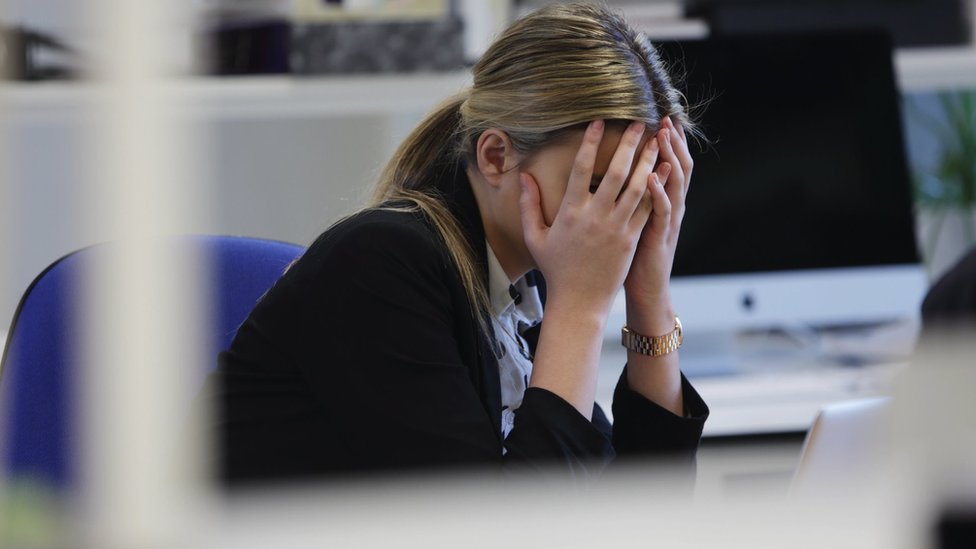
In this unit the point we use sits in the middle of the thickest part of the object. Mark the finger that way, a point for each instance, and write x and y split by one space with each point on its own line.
533 224
680 147
636 187
643 212
663 171
660 219
676 126
675 183
578 187
672 188
619 168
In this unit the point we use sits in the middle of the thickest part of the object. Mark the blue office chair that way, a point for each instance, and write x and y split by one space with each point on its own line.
37 370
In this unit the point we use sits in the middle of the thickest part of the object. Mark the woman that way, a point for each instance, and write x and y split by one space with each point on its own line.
408 335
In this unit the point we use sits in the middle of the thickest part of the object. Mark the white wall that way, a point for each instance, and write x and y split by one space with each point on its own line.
284 178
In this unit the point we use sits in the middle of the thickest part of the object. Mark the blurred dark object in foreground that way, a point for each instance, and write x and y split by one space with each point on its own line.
346 47
956 528
910 22
25 55
951 301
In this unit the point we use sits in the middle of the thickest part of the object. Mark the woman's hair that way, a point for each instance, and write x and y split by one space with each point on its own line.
552 71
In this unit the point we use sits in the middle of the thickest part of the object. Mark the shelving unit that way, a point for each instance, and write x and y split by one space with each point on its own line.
275 96
266 96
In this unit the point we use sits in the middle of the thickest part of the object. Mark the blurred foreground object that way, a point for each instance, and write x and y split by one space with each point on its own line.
951 301
956 527
846 442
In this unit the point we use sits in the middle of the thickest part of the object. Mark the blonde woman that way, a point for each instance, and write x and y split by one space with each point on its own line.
409 334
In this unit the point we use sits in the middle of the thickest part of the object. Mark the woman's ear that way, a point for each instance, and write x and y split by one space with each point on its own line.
495 155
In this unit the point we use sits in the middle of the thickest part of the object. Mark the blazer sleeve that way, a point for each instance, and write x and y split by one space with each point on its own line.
381 345
642 427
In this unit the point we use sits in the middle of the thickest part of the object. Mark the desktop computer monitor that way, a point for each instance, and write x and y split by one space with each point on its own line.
799 213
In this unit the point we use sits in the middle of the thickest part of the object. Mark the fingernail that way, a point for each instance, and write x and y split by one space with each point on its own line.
597 124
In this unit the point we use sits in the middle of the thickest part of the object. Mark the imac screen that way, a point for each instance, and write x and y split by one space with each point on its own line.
799 215
807 168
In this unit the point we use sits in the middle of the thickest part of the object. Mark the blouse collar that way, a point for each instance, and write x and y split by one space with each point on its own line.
499 286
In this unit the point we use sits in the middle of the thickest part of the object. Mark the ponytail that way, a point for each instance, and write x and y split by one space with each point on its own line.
431 150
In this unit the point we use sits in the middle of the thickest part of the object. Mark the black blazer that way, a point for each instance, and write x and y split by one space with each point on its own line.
366 356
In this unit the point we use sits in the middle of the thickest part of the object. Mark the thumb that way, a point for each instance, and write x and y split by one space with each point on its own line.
533 224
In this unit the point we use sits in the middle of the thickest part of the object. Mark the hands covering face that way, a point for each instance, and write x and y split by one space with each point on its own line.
625 230
648 279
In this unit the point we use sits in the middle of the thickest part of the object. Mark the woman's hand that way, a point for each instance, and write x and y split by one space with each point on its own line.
647 283
585 255
587 251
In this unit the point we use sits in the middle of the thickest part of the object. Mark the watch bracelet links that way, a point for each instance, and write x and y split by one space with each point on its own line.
653 345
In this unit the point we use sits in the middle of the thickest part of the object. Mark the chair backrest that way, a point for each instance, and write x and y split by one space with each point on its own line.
37 370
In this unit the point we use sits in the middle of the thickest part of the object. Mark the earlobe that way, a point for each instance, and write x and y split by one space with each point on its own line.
495 155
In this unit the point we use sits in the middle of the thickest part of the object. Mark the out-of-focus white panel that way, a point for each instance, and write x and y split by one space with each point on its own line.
143 320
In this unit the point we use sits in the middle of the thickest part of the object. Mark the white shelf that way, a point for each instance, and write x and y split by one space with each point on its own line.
256 97
289 96
283 96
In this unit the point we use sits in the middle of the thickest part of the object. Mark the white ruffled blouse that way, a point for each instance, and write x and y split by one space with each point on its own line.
515 307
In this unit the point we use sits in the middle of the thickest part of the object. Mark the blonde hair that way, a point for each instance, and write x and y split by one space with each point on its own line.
550 72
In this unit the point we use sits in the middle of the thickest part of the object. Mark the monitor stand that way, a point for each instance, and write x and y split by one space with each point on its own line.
710 354
791 348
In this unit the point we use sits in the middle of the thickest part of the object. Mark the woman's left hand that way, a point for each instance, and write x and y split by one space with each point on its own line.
648 281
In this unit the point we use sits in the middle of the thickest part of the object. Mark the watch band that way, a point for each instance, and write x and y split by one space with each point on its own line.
654 345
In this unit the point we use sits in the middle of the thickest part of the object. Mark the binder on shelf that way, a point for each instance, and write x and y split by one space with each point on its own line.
308 37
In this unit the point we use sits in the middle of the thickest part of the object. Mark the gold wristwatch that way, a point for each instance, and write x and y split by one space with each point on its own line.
653 346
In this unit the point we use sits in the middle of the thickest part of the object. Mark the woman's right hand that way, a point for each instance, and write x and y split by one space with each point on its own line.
586 253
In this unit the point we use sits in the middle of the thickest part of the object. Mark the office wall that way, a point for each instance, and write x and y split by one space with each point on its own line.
284 178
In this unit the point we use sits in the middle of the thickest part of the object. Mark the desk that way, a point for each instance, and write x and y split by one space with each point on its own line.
766 401
754 433
770 402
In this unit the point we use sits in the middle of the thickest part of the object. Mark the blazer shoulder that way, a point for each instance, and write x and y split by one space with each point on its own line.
392 236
